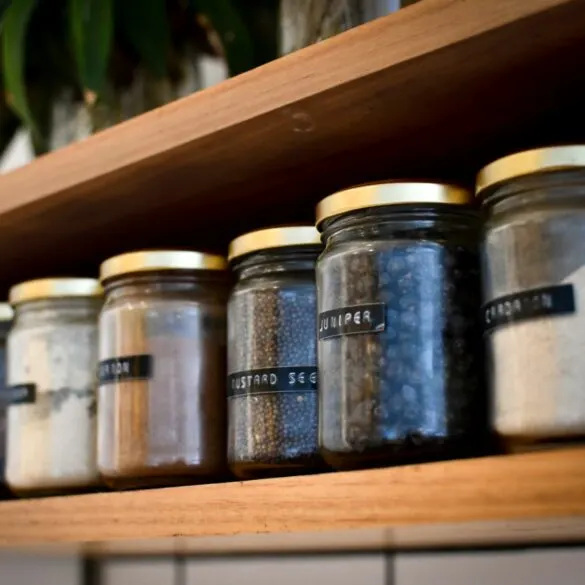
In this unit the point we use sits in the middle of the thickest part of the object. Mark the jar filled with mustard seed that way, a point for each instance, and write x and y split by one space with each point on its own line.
52 359
534 295
272 353
400 352
162 414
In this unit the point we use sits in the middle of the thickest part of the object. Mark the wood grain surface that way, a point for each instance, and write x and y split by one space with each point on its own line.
508 499
432 91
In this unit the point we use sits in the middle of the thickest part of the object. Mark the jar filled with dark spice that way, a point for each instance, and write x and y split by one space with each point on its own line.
534 294
400 351
162 411
272 353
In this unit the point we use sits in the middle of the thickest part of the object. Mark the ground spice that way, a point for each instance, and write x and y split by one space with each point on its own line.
162 418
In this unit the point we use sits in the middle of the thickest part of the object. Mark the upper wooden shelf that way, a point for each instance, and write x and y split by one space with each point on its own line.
518 499
434 90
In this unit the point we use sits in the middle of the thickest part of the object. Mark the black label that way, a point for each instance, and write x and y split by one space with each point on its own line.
529 304
19 394
129 367
351 320
269 380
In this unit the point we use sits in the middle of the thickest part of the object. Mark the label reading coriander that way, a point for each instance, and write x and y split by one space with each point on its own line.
130 367
368 318
530 304
270 380
19 394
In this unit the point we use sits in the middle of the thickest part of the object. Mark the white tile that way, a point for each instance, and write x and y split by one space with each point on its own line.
137 572
517 567
19 569
287 570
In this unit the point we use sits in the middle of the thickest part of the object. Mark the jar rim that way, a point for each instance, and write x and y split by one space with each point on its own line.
6 312
47 288
145 261
390 193
528 162
275 237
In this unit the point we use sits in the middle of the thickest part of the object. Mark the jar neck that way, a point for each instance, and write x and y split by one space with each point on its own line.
155 283
58 309
536 192
401 221
277 261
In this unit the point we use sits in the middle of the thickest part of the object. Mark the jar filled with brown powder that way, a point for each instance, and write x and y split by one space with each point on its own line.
162 412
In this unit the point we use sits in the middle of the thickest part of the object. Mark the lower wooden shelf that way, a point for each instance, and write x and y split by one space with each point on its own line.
514 499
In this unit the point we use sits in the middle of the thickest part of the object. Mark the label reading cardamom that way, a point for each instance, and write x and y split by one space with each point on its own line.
530 304
19 394
271 380
369 318
124 368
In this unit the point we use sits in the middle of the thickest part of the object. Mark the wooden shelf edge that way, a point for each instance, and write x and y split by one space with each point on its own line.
515 498
277 86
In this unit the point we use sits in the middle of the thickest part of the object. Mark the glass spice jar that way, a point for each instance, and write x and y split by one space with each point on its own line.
272 353
400 353
162 415
6 315
534 287
52 359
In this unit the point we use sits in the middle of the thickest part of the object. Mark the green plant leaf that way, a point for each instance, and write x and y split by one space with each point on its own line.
262 19
14 27
4 4
232 30
91 25
145 24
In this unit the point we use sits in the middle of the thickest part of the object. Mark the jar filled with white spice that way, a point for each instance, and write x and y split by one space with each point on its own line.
162 415
52 359
6 315
534 294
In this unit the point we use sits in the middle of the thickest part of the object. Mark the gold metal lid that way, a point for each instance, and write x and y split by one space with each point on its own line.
46 288
6 312
390 193
278 237
160 260
554 158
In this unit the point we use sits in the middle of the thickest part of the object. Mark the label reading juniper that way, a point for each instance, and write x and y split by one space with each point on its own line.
529 304
19 394
286 379
130 367
368 318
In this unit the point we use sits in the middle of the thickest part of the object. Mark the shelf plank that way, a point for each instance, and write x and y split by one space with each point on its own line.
515 499
433 90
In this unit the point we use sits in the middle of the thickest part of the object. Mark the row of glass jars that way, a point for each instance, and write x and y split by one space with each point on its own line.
368 352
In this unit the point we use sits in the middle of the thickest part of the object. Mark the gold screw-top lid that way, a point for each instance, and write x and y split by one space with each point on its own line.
540 160
46 288
278 237
390 193
6 312
160 260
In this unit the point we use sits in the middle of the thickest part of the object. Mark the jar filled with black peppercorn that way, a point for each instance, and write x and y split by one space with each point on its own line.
272 353
400 351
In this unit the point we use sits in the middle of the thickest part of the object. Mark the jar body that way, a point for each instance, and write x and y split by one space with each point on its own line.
272 366
4 328
305 22
534 286
400 352
52 360
162 366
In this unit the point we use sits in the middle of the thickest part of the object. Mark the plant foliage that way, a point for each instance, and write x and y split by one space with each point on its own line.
93 49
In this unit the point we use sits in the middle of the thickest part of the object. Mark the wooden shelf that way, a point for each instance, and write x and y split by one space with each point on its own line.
434 90
517 499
